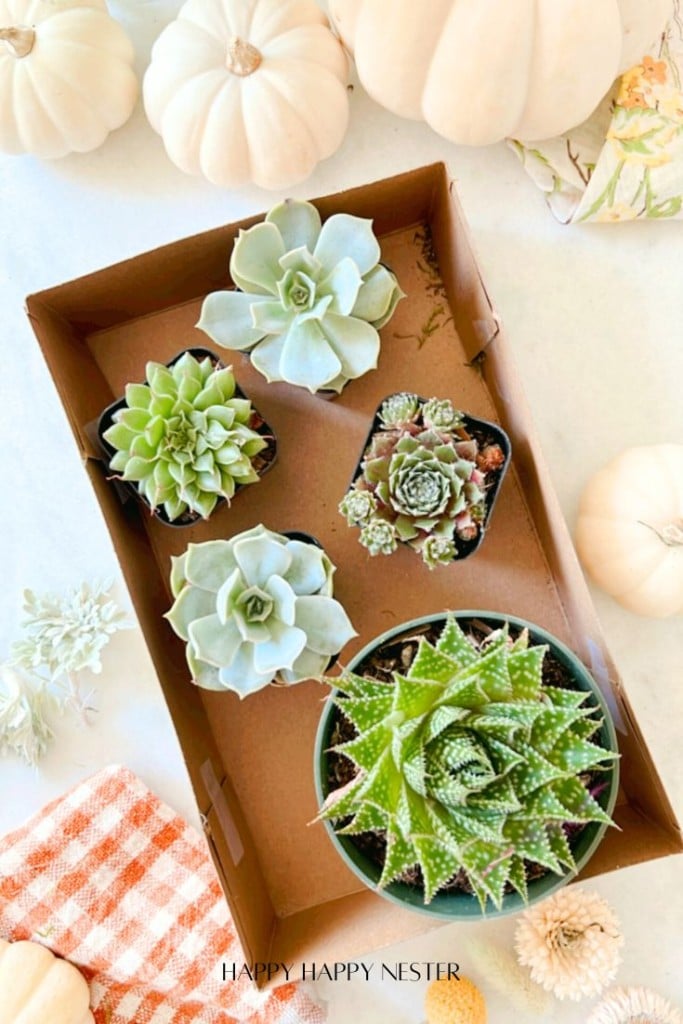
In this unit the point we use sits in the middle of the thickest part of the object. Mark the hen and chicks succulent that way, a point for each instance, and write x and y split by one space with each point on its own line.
423 481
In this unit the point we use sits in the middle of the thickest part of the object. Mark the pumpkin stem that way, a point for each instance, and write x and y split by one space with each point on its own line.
671 534
19 40
243 58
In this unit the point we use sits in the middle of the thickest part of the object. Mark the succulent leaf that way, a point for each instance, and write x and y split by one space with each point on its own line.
312 298
183 438
255 608
469 761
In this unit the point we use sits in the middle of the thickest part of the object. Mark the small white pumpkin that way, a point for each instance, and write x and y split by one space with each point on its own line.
66 79
629 534
38 988
478 71
248 90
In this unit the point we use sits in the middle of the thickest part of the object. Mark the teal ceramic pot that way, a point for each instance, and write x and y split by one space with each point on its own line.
460 905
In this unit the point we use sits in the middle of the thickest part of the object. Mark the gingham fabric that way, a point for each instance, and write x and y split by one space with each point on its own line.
112 879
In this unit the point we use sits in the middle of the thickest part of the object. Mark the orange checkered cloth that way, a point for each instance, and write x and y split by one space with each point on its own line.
112 879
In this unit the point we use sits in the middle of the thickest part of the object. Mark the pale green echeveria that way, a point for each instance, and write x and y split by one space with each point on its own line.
184 437
254 609
313 297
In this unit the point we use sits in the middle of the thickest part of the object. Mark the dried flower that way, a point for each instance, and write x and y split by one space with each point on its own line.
454 1001
63 636
66 634
23 706
504 974
634 1006
571 942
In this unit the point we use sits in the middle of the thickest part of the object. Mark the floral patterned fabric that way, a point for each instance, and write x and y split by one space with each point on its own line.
626 162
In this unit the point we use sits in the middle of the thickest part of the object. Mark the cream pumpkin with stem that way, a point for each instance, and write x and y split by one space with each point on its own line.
248 90
478 71
36 987
66 76
629 533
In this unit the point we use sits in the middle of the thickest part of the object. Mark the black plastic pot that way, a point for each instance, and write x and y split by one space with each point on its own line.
458 904
481 430
107 419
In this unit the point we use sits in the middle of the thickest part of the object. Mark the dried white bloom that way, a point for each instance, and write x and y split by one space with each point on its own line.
571 943
502 972
634 1006
23 706
66 634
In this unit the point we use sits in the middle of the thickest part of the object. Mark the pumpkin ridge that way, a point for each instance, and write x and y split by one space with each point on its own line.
328 80
78 89
271 80
110 35
31 95
283 18
9 111
303 41
201 114
230 85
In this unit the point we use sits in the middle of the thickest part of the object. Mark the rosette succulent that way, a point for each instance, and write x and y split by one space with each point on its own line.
256 608
469 763
423 480
311 301
185 438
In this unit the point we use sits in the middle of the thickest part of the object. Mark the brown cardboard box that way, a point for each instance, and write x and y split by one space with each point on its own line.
250 762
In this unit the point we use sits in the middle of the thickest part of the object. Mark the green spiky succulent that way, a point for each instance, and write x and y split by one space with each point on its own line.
469 762
422 480
185 438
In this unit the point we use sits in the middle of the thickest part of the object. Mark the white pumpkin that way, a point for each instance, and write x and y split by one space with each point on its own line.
629 534
248 90
38 988
66 79
479 71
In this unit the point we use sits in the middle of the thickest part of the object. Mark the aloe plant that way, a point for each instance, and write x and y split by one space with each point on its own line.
256 608
184 437
469 762
311 301
423 480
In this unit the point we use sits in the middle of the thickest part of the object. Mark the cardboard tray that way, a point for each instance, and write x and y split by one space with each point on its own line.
250 762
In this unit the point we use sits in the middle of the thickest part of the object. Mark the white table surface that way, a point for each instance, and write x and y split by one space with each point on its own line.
595 318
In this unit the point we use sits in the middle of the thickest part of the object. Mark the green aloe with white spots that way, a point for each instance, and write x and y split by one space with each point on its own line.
184 437
469 761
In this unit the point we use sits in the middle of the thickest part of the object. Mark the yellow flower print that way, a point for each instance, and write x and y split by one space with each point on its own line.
641 138
618 212
670 104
